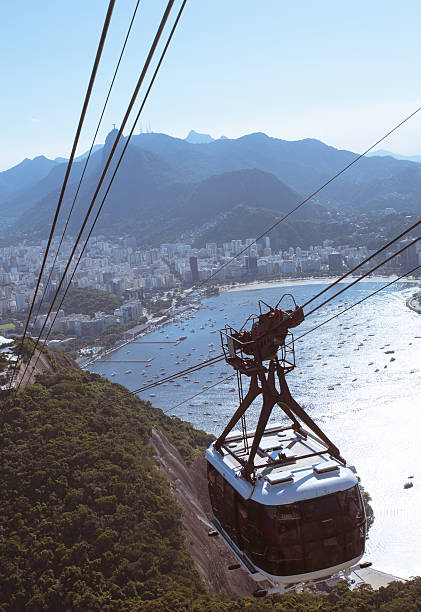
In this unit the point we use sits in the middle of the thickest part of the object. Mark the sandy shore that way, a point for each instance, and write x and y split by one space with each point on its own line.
287 282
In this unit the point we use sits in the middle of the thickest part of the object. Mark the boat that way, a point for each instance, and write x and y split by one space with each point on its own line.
113 373
128 372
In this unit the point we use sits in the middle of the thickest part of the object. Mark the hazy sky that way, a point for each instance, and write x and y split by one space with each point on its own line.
342 72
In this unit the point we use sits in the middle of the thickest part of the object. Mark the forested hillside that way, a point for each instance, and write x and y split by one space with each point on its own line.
88 301
89 523
166 186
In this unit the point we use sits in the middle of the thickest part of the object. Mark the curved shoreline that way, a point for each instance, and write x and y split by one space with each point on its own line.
412 306
316 280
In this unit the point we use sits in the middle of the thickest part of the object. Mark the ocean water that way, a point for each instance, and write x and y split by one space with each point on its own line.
366 399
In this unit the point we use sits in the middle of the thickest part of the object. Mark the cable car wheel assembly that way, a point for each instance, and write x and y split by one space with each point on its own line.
285 501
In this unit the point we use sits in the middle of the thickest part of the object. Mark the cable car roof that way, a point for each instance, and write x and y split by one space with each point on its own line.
296 480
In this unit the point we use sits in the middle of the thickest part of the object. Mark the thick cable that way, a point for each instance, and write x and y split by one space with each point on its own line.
306 333
356 303
409 229
218 382
115 171
120 132
221 356
363 276
295 340
318 190
69 167
87 159
195 368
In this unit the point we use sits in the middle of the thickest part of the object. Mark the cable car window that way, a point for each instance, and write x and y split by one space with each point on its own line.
216 491
229 510
354 542
242 525
285 561
328 505
286 523
324 553
256 522
352 507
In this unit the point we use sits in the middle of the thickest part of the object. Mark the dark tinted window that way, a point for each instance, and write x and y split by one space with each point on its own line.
293 538
328 505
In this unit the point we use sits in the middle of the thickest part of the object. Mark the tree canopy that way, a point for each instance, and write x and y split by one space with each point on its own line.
88 301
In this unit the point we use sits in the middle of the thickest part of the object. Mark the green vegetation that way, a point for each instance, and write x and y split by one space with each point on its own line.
8 326
108 338
88 521
88 301
25 348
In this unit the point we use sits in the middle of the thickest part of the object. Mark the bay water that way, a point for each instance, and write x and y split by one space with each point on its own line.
365 397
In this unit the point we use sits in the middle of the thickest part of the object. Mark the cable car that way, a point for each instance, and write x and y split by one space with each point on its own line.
284 500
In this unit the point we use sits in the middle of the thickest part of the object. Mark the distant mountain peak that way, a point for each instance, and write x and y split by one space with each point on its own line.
197 138
385 153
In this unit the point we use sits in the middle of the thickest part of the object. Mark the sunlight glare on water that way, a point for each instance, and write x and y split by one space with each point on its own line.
366 398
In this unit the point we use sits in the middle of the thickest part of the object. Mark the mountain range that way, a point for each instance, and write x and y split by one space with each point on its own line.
167 186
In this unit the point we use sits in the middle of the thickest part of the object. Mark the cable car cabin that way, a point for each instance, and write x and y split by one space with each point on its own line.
300 520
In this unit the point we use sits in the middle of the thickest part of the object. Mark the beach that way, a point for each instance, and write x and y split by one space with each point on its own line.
288 282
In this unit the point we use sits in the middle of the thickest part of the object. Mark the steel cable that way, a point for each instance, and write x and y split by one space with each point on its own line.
221 357
69 166
363 276
132 101
308 198
306 333
87 160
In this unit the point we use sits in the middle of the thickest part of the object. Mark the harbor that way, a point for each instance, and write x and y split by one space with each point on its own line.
344 378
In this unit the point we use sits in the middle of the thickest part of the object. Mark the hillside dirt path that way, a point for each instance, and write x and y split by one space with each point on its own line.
210 554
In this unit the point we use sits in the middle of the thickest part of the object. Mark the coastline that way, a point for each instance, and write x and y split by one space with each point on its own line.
156 323
285 282
412 306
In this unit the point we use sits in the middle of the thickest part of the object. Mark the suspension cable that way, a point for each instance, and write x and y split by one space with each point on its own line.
307 332
363 276
356 303
185 372
169 6
221 356
318 190
87 160
107 164
69 166
116 169
409 229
